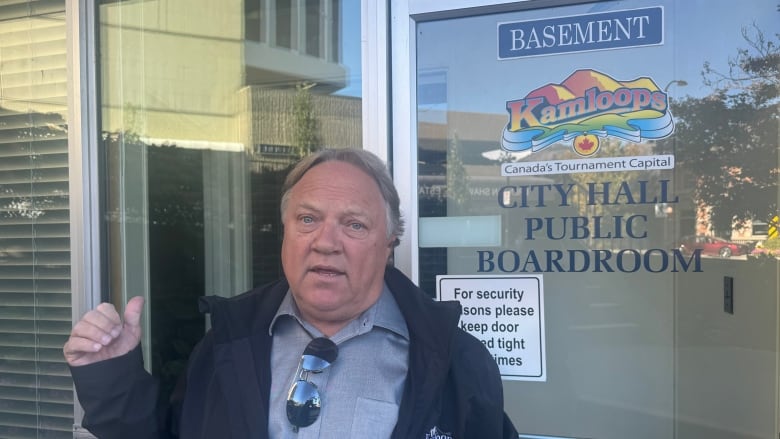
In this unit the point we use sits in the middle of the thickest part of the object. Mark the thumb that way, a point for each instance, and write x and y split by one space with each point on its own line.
133 311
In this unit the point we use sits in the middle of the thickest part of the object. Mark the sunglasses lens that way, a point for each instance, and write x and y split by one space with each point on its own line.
313 363
303 404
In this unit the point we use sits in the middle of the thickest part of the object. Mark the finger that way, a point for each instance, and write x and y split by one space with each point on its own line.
77 346
133 311
110 312
102 318
84 329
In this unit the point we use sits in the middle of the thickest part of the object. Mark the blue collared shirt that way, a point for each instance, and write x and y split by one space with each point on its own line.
361 391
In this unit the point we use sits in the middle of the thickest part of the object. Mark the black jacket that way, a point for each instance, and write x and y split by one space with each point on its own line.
453 388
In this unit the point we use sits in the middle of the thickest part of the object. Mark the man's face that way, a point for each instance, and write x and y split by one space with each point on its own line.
335 244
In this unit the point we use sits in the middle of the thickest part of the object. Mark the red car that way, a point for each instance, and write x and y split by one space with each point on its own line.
711 245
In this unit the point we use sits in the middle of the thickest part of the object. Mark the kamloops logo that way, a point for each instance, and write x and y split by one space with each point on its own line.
435 433
586 106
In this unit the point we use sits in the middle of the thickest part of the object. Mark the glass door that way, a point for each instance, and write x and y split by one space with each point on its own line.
596 183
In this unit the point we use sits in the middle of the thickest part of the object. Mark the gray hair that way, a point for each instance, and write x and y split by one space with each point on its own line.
366 162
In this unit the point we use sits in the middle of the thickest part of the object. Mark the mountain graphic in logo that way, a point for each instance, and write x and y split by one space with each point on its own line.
586 106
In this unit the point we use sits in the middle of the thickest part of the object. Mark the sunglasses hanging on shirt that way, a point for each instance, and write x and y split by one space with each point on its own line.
303 399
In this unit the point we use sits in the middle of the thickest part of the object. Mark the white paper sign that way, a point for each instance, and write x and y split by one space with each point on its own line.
506 313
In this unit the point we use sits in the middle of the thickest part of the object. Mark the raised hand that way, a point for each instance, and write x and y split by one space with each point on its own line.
101 334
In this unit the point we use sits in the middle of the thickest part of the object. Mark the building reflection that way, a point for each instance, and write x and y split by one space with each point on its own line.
205 106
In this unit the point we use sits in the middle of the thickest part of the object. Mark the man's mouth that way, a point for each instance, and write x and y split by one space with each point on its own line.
327 271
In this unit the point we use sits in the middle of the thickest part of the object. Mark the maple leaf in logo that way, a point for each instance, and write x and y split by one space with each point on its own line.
586 145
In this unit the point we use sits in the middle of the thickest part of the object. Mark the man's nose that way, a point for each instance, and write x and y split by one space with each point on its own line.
327 239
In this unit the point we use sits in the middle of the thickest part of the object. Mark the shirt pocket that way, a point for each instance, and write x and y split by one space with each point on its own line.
374 418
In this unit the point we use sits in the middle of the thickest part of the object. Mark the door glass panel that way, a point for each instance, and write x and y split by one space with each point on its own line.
624 157
205 106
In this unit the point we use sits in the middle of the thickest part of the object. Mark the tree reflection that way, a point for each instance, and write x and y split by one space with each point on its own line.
727 140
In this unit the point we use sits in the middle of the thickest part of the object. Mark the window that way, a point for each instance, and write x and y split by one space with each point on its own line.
36 397
254 20
284 26
201 120
313 25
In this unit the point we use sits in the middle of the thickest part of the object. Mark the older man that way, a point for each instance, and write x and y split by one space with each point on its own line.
343 347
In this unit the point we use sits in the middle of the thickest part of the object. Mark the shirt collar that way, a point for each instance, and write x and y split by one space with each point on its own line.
384 313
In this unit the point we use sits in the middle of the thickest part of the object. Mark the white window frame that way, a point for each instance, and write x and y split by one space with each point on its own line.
85 245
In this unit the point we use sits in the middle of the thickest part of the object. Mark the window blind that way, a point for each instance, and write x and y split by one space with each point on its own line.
36 396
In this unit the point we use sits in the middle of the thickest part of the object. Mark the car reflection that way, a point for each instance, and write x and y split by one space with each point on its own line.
713 246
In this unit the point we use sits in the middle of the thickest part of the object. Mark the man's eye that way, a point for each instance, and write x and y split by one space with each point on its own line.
356 226
307 219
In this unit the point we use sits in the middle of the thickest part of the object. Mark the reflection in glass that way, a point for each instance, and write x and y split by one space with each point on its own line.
284 23
205 106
